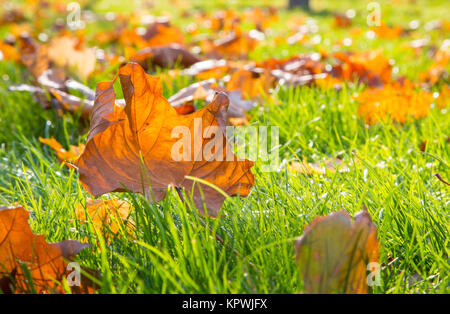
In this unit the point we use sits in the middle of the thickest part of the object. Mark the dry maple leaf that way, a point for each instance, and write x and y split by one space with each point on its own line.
62 154
385 31
342 21
296 71
333 253
34 56
208 69
399 101
369 67
65 51
157 34
111 214
57 98
234 45
20 247
160 34
120 136
205 90
165 56
250 83
199 90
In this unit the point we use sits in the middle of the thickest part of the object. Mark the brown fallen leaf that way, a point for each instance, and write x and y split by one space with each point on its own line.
399 101
208 69
251 83
120 136
162 33
342 21
71 103
205 90
59 99
165 56
234 45
369 67
11 16
65 51
63 155
195 91
385 31
20 248
106 214
159 33
333 253
34 56
294 71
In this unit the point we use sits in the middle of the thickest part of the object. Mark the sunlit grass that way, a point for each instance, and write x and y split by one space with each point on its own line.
170 250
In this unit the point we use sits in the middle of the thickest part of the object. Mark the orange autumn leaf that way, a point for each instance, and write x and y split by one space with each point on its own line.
66 51
160 35
444 97
262 18
8 52
250 84
34 56
132 147
329 82
63 155
234 45
196 91
157 34
369 67
71 103
385 31
129 38
110 214
333 253
183 100
20 248
395 101
342 21
214 73
165 56
296 71
208 69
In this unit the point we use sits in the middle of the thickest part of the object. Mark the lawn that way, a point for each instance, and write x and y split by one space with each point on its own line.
169 247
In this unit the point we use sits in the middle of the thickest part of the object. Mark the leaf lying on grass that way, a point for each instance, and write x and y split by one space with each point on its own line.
66 51
120 136
398 100
165 56
110 214
63 155
333 253
205 90
25 256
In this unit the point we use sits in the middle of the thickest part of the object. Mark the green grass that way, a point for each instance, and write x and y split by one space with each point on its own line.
171 251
